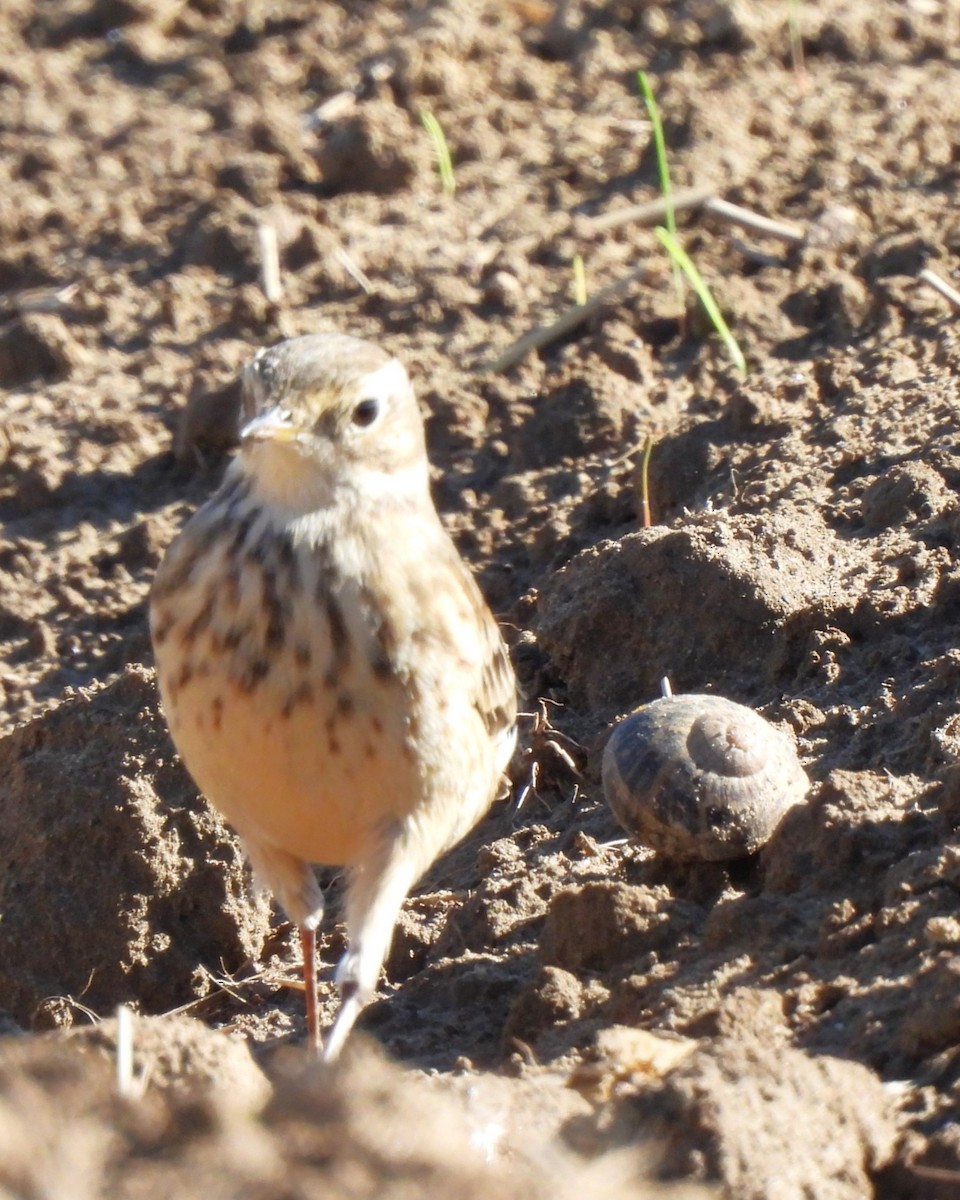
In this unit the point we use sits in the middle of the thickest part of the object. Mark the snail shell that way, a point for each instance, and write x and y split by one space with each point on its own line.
700 777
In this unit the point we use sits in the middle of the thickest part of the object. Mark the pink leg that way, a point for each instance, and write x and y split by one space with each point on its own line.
308 944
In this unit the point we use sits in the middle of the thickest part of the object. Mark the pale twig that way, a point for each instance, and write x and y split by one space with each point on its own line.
941 1174
125 1082
269 263
579 280
652 212
220 986
342 105
545 334
75 1005
746 219
940 285
754 255
40 299
129 1085
354 271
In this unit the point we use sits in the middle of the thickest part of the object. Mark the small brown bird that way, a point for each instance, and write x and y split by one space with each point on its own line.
331 674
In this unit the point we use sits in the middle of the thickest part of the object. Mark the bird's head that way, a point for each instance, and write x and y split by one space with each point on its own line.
328 417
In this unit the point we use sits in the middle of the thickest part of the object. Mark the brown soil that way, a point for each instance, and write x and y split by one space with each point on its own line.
788 1026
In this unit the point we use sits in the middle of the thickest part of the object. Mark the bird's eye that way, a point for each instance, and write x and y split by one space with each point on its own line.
366 412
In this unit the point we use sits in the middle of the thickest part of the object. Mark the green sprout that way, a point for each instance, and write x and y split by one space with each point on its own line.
682 260
663 169
660 148
668 236
442 151
646 518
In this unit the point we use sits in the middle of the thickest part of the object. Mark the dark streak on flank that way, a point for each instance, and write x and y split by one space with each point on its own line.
288 562
339 637
232 581
253 675
277 611
241 533
345 705
303 694
234 636
383 657
192 545
181 681
233 493
217 710
333 745
161 630
199 623
301 654
376 724
382 666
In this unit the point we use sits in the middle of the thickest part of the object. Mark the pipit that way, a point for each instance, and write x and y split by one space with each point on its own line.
330 672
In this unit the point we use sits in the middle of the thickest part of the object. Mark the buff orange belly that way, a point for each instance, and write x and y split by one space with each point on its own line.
316 772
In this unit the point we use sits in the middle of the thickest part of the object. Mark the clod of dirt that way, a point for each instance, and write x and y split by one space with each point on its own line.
604 924
769 1122
624 1057
933 1022
117 880
255 176
904 493
225 240
365 1129
37 345
375 149
183 1054
555 996
581 418
623 614
209 422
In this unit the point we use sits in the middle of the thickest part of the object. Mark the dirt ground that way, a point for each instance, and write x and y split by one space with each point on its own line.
567 1013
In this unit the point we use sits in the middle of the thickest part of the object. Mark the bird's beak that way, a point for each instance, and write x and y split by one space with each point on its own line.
275 425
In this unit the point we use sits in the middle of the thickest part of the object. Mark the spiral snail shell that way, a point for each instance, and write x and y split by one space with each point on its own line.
700 777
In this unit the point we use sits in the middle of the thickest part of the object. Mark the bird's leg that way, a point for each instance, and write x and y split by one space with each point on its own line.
295 886
375 893
308 944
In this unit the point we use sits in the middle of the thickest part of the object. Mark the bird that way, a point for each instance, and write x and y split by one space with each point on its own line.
331 674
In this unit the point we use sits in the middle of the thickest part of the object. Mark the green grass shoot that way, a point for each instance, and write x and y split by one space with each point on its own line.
646 518
442 151
579 280
660 148
663 169
687 266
